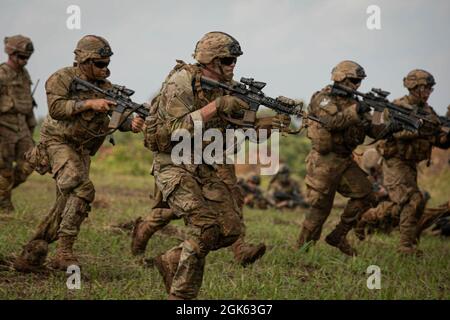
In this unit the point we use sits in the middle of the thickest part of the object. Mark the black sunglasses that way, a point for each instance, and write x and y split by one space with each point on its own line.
23 57
101 64
228 61
355 80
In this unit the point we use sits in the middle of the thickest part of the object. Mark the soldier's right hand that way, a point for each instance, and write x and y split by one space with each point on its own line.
230 104
99 105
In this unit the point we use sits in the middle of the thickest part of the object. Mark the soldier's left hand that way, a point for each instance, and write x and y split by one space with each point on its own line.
281 122
137 124
290 102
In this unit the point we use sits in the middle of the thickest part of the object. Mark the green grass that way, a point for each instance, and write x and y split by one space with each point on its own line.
109 271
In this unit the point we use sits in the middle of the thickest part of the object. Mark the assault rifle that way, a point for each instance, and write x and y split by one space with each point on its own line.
121 96
250 91
377 100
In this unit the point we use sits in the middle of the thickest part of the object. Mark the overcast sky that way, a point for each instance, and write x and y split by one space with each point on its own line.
291 45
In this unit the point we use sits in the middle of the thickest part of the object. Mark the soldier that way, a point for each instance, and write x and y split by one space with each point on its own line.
253 195
284 192
404 150
330 166
71 133
195 191
17 119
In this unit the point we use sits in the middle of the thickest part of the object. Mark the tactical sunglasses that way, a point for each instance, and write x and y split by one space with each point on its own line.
228 61
23 57
101 64
355 80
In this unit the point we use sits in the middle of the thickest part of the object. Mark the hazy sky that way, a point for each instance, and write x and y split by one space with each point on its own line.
291 45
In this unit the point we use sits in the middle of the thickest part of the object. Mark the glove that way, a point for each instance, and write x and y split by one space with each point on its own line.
290 102
230 104
281 122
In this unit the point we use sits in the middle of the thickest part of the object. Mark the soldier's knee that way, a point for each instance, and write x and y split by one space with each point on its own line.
209 240
317 199
85 191
67 179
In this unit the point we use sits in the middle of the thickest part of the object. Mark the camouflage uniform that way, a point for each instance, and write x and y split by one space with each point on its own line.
284 192
330 166
17 121
67 143
402 152
253 195
195 191
244 253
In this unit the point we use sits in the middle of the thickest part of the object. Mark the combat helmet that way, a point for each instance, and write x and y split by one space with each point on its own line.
92 47
418 77
18 44
347 69
216 44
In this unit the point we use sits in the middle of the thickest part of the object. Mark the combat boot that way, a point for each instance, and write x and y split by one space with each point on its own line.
305 237
338 238
32 257
64 254
142 232
410 251
6 206
167 265
246 253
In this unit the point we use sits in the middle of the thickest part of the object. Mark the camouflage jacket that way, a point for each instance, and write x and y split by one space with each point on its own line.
412 146
344 128
63 124
177 106
16 102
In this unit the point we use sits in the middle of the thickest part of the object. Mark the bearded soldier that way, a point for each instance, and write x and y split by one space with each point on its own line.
72 132
17 119
404 150
330 166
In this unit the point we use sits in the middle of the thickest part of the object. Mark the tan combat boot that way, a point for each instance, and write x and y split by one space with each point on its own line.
167 265
142 232
305 237
338 238
246 253
410 251
6 206
64 254
32 257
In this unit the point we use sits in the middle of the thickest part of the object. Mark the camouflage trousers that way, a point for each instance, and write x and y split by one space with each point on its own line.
160 217
14 170
400 180
74 193
210 212
326 175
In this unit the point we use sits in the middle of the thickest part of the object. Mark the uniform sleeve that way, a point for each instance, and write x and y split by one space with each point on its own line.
325 108
178 99
60 106
3 77
31 121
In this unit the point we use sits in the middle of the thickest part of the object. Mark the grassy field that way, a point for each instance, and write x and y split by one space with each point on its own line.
110 272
